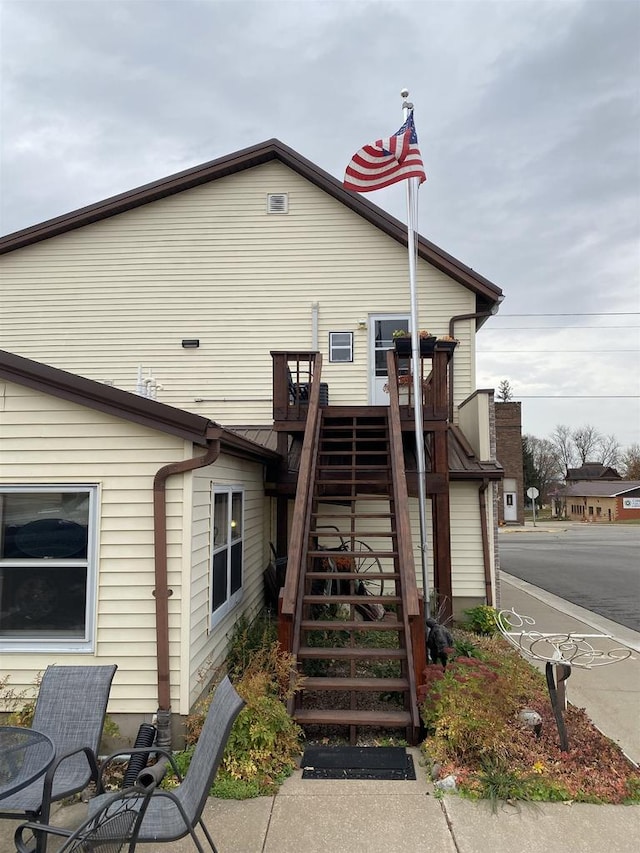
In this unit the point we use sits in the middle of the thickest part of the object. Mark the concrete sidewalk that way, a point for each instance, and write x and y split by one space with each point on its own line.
320 816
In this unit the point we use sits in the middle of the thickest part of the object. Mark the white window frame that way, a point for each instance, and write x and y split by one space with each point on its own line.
232 600
333 348
85 644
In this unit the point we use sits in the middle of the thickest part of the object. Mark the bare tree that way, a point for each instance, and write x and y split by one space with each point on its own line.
630 462
563 447
609 450
542 462
505 392
586 441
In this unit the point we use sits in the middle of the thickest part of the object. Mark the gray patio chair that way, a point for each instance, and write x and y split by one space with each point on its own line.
70 710
115 825
172 814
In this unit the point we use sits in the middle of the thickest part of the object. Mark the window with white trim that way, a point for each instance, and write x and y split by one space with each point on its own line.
341 346
227 550
47 567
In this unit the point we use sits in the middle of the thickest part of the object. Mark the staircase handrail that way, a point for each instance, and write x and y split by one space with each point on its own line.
412 614
403 520
300 521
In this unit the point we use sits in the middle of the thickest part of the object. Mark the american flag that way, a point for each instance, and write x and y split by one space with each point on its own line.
386 161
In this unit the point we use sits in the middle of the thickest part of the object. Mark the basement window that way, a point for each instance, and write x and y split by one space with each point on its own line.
47 568
277 203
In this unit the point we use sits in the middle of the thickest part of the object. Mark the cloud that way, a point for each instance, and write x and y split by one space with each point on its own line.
528 115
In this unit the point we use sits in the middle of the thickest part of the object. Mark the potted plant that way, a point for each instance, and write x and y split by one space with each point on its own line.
446 343
402 342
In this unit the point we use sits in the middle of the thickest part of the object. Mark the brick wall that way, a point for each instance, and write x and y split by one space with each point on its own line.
509 453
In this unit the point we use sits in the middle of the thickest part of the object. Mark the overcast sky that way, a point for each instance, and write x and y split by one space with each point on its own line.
528 117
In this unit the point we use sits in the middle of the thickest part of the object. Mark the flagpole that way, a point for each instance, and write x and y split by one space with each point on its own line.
412 224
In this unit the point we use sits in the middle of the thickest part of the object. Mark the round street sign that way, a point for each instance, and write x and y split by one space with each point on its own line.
532 493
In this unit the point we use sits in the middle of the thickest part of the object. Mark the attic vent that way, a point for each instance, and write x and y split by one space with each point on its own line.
277 203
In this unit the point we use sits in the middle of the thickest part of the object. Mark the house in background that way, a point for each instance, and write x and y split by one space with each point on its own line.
600 500
592 471
258 298
509 455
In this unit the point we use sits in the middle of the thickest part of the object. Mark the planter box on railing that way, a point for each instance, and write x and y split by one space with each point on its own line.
403 346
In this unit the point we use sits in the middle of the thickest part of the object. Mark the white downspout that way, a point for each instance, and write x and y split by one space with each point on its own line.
315 314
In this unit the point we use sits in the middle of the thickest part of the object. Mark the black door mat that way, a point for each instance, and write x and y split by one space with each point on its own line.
357 762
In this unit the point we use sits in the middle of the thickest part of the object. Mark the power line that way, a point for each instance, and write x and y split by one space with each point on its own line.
579 396
576 314
552 328
600 351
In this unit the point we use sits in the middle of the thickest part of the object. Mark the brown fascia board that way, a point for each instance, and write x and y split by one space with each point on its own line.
488 293
123 404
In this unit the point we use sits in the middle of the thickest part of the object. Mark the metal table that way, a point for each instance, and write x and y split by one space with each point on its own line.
25 755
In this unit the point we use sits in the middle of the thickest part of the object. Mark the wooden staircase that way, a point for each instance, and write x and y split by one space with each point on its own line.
357 614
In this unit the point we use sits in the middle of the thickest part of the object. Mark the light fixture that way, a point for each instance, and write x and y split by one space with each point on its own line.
190 343
362 324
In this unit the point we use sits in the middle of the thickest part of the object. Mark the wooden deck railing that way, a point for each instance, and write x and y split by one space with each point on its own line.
301 514
293 373
434 381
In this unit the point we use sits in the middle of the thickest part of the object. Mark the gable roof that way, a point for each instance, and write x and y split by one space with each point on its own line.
488 295
123 404
593 471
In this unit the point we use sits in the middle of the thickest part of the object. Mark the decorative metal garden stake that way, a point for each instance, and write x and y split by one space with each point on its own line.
559 652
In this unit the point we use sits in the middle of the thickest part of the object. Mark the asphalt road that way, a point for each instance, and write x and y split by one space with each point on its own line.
594 566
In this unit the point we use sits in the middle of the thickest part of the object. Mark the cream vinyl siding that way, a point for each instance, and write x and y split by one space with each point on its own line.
210 263
203 650
467 566
46 440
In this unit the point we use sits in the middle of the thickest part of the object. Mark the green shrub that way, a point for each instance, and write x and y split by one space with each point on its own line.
482 620
247 638
264 740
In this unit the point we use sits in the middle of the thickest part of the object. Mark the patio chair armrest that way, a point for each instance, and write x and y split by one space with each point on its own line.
23 846
144 792
137 750
51 772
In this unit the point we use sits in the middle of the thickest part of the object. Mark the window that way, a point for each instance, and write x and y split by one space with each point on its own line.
341 346
509 500
47 567
227 550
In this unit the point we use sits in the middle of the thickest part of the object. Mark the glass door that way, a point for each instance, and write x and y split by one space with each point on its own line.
381 328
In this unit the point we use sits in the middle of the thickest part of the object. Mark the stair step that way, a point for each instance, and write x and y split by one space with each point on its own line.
371 577
355 625
346 535
324 515
388 719
353 481
374 685
363 555
350 653
352 452
351 599
355 499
